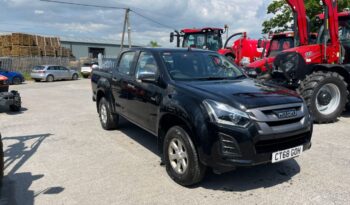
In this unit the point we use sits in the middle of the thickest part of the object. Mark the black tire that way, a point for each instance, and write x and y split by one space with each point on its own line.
195 170
310 87
16 81
75 76
1 161
109 121
16 107
37 80
86 76
50 78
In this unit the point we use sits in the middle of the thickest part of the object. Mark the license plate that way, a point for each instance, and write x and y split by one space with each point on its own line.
286 154
283 114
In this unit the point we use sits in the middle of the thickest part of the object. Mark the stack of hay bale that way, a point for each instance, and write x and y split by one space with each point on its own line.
22 45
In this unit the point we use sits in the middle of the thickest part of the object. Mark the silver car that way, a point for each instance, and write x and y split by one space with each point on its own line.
51 73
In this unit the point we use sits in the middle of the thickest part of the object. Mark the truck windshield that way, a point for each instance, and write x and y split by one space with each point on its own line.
279 44
210 40
200 66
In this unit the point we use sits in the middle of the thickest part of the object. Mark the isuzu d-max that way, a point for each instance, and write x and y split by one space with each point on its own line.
204 111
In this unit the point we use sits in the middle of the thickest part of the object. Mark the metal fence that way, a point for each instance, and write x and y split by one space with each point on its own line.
25 64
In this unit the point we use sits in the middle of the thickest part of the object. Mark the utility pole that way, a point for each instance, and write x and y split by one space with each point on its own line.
126 23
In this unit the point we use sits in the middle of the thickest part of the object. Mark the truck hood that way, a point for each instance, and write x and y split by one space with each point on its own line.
261 64
246 93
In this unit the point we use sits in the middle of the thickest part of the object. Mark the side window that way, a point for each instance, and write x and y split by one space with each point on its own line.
146 64
63 68
57 68
125 62
51 68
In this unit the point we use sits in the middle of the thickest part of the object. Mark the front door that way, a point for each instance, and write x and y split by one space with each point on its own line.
146 96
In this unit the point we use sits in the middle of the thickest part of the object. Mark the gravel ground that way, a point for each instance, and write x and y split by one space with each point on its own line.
57 153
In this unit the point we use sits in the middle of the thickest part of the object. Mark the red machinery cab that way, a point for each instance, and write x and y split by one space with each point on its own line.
278 43
242 51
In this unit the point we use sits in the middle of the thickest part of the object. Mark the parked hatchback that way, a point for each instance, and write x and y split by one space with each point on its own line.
13 77
51 73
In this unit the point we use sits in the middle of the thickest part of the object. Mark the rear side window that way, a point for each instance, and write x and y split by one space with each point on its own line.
39 68
126 63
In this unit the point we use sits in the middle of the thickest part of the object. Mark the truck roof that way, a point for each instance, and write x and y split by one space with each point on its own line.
200 30
161 49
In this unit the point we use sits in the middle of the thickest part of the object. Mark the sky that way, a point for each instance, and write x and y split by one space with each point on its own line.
37 17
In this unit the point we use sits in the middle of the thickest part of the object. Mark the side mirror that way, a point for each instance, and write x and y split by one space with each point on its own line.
259 43
171 37
147 77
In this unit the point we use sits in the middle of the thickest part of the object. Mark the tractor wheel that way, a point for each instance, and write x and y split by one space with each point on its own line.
17 105
325 94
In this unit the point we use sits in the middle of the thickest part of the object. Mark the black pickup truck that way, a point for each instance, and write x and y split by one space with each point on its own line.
204 111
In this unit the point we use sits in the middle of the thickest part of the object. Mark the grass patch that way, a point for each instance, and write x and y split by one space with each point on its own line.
27 76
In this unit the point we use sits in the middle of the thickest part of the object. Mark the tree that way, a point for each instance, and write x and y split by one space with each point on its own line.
283 17
154 44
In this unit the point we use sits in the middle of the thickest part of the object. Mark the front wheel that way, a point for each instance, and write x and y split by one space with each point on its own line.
17 104
325 94
181 158
108 120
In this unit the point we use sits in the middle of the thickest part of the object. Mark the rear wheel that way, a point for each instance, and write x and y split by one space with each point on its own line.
50 78
108 120
75 76
16 80
181 158
325 94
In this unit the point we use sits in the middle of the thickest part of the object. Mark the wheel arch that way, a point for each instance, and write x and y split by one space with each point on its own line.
169 120
341 70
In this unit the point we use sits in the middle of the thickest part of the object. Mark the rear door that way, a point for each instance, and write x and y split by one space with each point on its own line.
65 73
120 84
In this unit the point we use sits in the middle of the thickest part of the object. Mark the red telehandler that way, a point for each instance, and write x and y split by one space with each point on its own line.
243 50
320 72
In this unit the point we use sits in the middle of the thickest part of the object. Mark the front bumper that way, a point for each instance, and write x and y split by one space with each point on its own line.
227 147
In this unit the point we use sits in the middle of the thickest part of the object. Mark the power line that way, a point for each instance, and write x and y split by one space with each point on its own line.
110 7
87 5
154 21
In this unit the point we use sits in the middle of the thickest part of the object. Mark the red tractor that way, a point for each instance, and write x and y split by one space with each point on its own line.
242 52
278 43
319 71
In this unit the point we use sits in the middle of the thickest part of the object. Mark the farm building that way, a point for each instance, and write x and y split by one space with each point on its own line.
82 47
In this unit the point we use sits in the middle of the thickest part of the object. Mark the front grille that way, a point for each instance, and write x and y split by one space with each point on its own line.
267 146
228 145
284 122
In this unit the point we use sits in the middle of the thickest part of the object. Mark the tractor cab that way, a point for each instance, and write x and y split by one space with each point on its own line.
344 35
204 38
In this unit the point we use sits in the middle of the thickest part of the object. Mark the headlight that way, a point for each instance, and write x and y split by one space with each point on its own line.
225 114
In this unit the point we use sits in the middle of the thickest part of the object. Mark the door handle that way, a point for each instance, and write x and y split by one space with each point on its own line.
131 86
